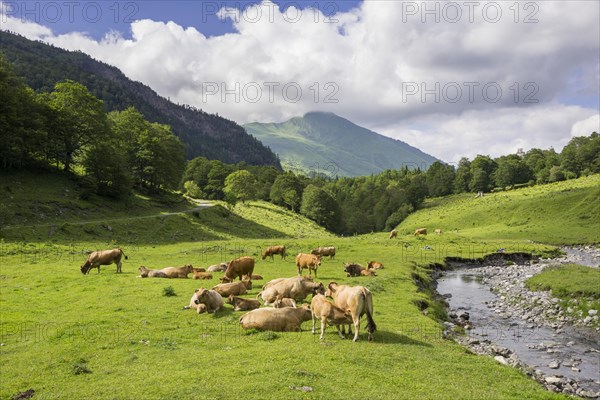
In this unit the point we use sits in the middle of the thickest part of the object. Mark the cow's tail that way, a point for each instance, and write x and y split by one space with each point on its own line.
371 326
122 252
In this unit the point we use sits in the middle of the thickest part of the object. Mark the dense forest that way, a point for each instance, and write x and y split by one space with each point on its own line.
43 66
114 153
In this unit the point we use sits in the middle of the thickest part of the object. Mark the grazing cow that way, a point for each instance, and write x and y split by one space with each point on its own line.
296 288
235 288
202 275
238 268
240 304
420 231
328 312
353 269
393 233
324 252
282 302
438 231
151 273
103 257
357 301
374 265
309 261
276 319
212 301
272 250
217 268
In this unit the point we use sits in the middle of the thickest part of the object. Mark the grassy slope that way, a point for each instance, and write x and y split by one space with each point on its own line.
560 213
55 320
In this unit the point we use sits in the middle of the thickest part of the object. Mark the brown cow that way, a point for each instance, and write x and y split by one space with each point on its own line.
217 268
328 312
438 231
393 233
202 275
353 269
324 252
240 304
374 265
235 288
282 302
308 261
103 257
272 250
255 277
276 319
209 298
296 288
237 268
357 301
420 231
367 272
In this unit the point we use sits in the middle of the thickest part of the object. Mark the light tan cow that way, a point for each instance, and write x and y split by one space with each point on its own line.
217 268
169 272
233 288
202 275
374 265
103 257
212 301
308 261
276 319
282 302
328 312
438 231
324 252
356 300
272 250
296 288
420 231
393 233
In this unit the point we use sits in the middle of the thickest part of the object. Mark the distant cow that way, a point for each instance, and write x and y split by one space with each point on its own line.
328 312
212 301
393 233
374 265
169 272
235 288
276 319
272 250
353 269
420 231
357 301
217 268
367 272
296 288
237 268
438 231
282 302
308 261
324 252
240 304
202 275
103 257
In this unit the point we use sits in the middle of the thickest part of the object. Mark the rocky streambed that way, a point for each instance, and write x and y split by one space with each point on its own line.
500 317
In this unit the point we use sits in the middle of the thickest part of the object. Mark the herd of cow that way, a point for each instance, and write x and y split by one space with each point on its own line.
349 303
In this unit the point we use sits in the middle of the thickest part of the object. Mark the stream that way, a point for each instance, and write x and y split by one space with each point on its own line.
561 357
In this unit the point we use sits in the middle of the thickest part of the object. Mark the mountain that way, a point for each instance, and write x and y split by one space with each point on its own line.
203 134
325 142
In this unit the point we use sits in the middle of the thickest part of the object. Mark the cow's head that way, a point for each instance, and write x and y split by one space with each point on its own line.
201 296
264 255
225 279
230 299
331 289
143 271
319 289
188 268
85 268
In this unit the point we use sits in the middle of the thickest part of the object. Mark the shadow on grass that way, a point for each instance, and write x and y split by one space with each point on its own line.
387 337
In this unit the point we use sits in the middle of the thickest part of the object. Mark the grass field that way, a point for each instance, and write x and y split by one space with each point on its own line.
116 336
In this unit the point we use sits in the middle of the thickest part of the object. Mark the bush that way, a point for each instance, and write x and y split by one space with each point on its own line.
169 291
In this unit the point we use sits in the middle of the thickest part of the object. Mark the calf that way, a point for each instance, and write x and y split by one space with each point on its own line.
374 265
328 312
353 269
240 304
438 231
282 302
202 275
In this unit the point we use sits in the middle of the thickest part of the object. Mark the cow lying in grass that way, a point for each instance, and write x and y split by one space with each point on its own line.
103 257
357 270
217 268
276 319
234 288
240 304
205 300
374 265
169 272
282 302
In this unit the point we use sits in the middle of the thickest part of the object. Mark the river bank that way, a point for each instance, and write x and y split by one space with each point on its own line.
557 346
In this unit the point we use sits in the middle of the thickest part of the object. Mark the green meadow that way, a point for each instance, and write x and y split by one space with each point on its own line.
116 336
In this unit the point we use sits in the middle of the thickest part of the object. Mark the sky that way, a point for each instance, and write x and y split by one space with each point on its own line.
451 78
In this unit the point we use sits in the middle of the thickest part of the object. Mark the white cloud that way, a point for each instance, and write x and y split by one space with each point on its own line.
368 59
586 126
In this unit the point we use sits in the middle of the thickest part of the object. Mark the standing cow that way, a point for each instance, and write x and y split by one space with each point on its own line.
420 231
308 261
238 268
324 252
356 300
103 257
393 233
272 250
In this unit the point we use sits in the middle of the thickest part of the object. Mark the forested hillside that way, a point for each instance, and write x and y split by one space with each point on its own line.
203 134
